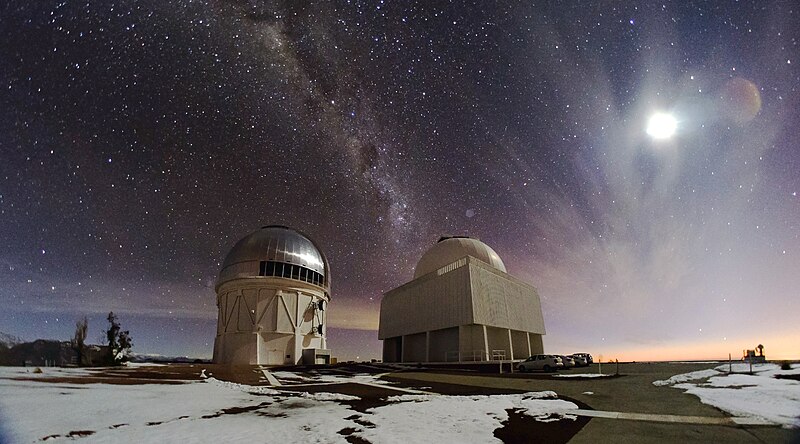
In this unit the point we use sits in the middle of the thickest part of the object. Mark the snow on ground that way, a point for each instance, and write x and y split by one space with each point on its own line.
581 375
766 369
692 376
289 376
216 411
458 419
144 364
46 372
693 362
742 394
314 377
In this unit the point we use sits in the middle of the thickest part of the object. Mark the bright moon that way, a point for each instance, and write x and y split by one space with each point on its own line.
661 126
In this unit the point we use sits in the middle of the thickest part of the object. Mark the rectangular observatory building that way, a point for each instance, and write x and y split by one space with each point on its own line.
461 306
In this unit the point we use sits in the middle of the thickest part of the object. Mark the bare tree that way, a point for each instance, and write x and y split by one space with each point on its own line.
79 339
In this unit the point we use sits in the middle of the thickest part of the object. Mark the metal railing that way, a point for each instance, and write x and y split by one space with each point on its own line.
459 356
498 355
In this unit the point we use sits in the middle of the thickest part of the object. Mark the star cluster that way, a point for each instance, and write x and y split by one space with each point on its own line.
140 139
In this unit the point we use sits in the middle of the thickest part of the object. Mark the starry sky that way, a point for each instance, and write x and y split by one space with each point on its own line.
140 139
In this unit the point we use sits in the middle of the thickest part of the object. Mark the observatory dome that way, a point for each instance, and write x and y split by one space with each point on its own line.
274 244
451 249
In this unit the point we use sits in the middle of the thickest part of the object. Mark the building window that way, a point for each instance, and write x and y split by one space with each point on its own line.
296 272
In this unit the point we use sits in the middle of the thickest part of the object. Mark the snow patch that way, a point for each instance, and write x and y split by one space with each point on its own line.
325 396
758 395
211 410
692 376
582 375
437 418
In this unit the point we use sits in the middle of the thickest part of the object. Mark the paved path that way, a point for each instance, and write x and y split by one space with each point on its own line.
276 383
681 419
273 381
662 414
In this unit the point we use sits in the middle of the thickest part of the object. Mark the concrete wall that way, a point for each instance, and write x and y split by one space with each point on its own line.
441 342
429 303
537 346
468 340
452 305
414 347
472 341
519 341
267 307
471 294
261 320
236 349
275 348
392 349
498 340
500 300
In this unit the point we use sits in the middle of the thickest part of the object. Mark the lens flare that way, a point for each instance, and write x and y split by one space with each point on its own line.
661 126
740 100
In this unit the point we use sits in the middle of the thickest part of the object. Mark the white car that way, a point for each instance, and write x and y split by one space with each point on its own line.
541 362
582 359
568 361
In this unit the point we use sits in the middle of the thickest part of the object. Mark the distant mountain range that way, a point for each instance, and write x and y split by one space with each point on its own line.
9 340
141 357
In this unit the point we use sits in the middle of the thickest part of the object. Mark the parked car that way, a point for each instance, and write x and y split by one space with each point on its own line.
568 361
580 360
586 356
541 362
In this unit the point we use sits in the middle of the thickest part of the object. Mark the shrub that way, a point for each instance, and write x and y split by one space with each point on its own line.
37 370
786 365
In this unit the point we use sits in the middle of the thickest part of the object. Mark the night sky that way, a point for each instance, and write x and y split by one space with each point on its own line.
139 140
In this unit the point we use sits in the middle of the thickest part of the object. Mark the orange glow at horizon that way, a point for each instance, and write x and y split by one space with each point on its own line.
777 347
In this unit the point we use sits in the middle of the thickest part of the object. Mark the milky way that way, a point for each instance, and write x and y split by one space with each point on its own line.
141 139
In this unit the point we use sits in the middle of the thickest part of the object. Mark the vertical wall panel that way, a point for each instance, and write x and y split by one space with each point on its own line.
414 347
430 303
499 300
442 342
519 339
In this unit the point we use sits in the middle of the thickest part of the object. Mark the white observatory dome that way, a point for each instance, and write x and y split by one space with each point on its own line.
274 244
451 249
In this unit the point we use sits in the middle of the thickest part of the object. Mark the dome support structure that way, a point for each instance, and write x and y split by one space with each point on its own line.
269 291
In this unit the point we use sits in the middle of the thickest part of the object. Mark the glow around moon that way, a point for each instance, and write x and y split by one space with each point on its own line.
661 126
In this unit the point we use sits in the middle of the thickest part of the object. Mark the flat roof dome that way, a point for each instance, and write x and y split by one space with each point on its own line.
451 249
272 243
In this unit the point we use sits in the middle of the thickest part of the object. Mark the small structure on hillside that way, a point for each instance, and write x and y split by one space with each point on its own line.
462 305
272 295
752 357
